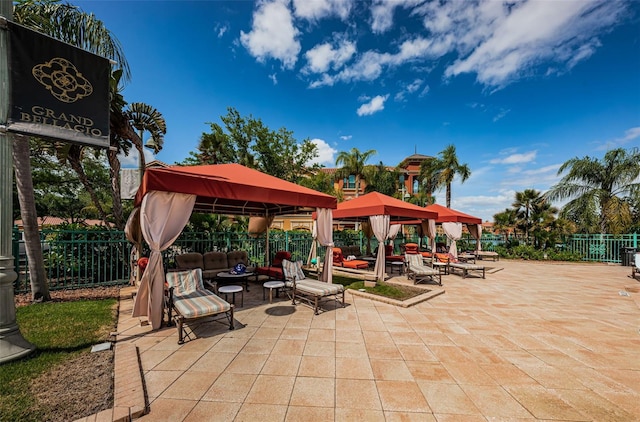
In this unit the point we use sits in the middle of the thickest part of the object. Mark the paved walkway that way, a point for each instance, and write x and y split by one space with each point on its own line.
533 341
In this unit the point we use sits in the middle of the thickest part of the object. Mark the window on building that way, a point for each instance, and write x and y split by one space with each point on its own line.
349 182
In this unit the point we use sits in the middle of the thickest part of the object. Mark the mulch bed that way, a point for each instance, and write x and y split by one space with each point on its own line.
83 385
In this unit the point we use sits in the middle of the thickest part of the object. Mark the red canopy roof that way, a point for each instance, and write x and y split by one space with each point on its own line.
234 189
375 203
450 215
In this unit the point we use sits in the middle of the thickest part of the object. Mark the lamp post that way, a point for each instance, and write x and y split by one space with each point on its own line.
12 344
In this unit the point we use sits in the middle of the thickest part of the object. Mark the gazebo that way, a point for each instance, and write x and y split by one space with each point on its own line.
380 211
452 221
167 197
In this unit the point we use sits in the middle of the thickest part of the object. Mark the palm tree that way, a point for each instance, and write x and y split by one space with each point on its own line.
145 118
430 178
449 168
608 186
524 204
67 23
353 163
380 179
505 221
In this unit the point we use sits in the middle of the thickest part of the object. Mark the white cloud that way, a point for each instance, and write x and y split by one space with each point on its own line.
483 206
221 29
629 135
503 112
410 88
346 137
318 9
324 56
375 105
516 158
382 13
273 34
274 78
523 35
326 154
131 160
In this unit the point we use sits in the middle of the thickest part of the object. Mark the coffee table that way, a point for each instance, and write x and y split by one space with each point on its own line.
227 277
370 260
233 289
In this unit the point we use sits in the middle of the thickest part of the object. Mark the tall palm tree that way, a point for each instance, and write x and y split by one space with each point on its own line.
450 167
66 23
525 204
353 163
145 118
603 185
430 178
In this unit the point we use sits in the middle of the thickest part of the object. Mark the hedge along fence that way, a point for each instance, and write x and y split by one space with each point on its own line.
92 257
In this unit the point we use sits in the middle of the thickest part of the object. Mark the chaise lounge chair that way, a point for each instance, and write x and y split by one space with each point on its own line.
186 296
308 290
339 261
418 271
463 267
636 267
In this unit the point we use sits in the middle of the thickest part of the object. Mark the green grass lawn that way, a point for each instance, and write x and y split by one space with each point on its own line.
59 331
381 289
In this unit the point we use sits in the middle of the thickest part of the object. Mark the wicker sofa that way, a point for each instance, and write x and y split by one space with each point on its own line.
211 263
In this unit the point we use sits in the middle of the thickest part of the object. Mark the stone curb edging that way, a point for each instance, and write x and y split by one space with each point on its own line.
129 400
403 303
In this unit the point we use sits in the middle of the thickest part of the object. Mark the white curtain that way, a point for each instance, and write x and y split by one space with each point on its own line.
429 229
394 229
163 215
476 232
325 237
380 226
453 232
133 234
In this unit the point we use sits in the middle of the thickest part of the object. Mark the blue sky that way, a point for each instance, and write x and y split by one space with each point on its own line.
518 87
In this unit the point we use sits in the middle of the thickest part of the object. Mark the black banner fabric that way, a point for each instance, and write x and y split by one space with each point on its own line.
58 91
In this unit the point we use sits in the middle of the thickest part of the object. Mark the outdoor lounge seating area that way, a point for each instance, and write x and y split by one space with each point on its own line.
274 271
211 263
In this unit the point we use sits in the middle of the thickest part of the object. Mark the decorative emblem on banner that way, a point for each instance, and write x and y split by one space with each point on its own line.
63 80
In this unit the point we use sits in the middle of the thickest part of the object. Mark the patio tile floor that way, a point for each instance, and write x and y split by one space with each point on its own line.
533 341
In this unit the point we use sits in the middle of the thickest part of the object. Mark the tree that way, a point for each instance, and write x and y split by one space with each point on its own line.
449 167
353 163
67 23
609 186
247 141
380 179
505 222
320 181
145 118
430 178
525 205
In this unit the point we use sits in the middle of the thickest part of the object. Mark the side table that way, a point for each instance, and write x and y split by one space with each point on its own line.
443 267
271 285
233 289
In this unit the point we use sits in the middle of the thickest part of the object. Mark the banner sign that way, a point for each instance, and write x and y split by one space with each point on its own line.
57 91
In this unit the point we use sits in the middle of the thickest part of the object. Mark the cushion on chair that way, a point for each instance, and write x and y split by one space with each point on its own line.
215 261
293 270
185 282
411 248
199 303
280 255
189 260
237 257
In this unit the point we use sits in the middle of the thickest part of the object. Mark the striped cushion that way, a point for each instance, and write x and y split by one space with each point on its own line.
318 288
466 266
185 281
292 270
199 303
